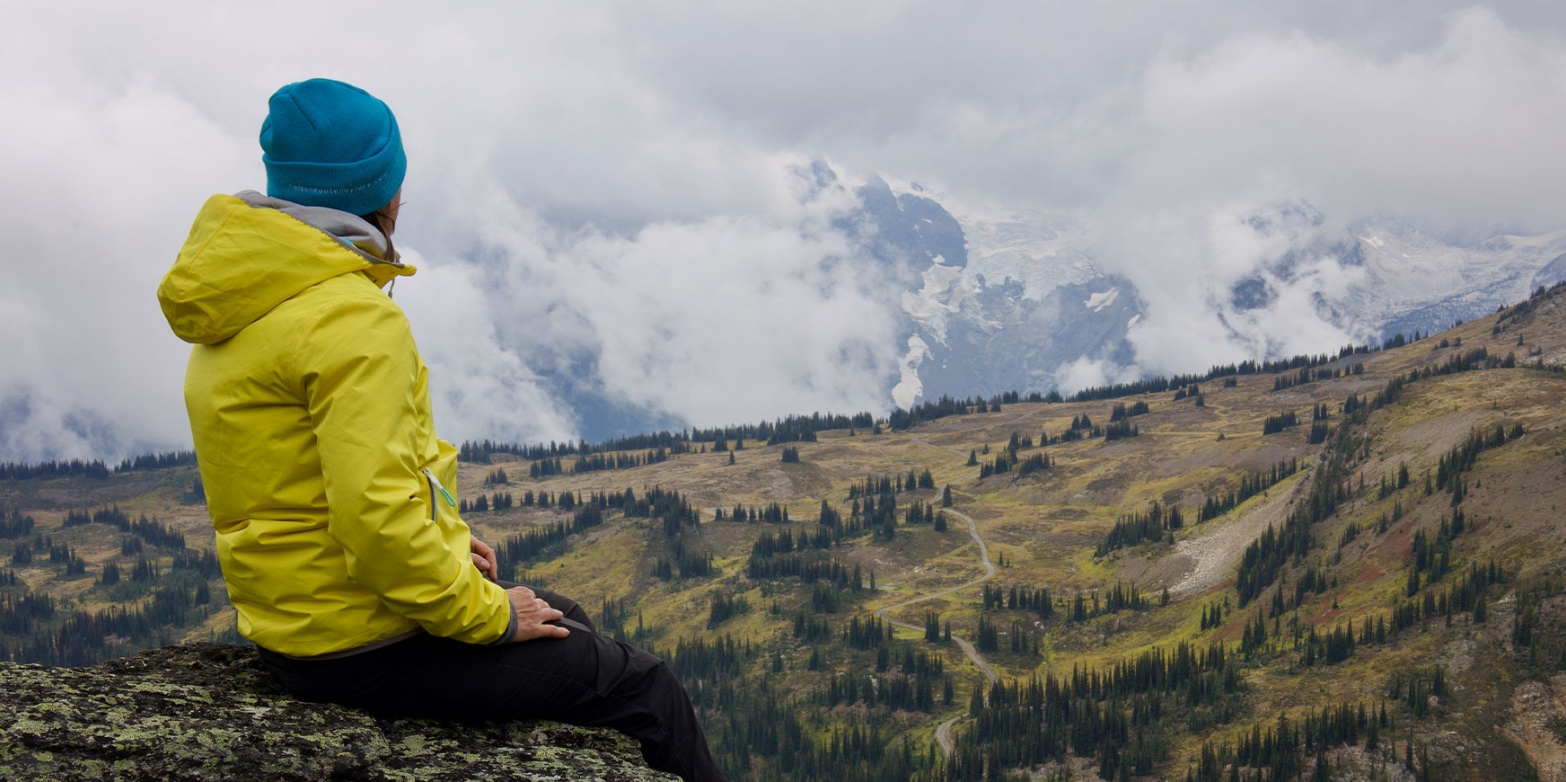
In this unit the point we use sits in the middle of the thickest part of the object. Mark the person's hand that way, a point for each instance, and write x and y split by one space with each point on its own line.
532 613
484 558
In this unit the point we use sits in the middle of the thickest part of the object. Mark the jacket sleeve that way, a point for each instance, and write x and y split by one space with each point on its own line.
365 386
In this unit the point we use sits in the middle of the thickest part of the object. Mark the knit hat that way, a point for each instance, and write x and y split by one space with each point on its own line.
326 143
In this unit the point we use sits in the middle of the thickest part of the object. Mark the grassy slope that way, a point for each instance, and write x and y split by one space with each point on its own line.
1046 527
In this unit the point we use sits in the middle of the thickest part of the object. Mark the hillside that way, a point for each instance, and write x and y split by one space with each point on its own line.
1053 617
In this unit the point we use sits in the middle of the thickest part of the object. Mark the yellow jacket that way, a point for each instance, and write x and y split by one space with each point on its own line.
310 410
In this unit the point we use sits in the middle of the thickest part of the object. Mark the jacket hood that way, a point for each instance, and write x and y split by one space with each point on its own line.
248 253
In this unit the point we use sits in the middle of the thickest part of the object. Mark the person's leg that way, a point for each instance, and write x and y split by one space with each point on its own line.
567 606
614 684
583 679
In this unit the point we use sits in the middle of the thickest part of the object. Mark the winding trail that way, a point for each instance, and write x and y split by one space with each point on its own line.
943 732
989 572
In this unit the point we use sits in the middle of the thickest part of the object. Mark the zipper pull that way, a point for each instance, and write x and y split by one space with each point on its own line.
450 500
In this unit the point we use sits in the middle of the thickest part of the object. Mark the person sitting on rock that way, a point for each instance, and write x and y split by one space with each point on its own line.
340 544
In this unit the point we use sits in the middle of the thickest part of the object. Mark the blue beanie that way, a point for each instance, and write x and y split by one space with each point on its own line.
326 143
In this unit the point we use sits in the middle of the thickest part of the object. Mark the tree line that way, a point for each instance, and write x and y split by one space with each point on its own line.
15 524
154 532
1219 503
1116 715
22 471
157 461
1152 526
793 428
93 468
891 484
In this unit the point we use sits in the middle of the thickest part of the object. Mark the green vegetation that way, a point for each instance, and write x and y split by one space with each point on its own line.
1223 594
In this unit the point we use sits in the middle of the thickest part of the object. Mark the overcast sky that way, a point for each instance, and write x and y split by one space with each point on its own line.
617 180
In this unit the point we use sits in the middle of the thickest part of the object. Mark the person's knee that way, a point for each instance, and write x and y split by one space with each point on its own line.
565 605
663 678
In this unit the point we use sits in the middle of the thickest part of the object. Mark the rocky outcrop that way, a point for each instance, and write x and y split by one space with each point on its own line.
212 712
1539 725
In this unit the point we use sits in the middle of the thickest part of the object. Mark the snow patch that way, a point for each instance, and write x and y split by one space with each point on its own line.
931 305
1040 250
1098 301
1133 320
1402 275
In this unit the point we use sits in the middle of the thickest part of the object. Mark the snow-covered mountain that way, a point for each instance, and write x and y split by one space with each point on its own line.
994 299
998 299
1407 280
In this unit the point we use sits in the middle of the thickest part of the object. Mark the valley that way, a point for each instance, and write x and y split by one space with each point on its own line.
1344 568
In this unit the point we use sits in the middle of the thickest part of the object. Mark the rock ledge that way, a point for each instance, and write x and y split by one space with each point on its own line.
213 712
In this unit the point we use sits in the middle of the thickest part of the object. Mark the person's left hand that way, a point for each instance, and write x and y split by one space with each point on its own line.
484 558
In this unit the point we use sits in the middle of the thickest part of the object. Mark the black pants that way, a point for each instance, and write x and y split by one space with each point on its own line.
583 679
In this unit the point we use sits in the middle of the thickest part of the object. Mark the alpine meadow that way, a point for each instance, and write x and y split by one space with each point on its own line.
1339 566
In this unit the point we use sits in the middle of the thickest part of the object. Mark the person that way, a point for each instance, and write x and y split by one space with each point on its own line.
330 494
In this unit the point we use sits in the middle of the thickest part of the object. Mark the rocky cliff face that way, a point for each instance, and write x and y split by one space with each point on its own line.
212 712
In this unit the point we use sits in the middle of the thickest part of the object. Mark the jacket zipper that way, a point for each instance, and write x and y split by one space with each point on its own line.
437 492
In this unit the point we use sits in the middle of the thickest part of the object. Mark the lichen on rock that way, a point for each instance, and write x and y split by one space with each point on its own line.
213 712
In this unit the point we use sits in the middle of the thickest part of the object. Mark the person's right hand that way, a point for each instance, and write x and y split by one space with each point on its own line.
532 613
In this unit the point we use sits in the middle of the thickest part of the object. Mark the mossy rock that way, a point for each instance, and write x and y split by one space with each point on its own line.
213 712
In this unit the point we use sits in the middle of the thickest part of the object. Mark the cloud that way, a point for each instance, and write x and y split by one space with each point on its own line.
34 428
479 388
712 321
84 248
1454 131
603 193
1454 134
1083 373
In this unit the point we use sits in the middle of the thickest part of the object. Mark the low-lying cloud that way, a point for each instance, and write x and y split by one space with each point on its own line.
606 198
707 322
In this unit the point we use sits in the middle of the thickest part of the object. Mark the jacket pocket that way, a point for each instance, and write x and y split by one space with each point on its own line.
437 493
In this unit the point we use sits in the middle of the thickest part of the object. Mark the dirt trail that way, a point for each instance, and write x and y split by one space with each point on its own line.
943 735
989 572
943 732
1201 562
